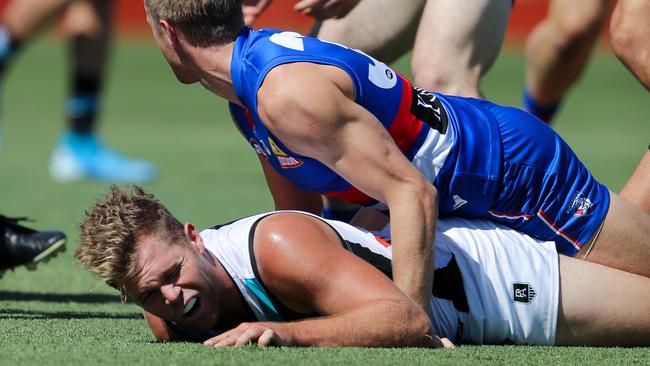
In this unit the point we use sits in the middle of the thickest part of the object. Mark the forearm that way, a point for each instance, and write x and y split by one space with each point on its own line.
387 323
413 223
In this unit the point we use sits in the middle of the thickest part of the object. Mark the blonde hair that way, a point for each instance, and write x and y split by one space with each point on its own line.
111 227
204 22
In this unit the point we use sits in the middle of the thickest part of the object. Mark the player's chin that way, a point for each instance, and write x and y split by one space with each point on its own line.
186 80
184 77
199 317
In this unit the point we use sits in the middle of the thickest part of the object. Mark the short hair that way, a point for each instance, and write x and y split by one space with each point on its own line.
204 22
111 227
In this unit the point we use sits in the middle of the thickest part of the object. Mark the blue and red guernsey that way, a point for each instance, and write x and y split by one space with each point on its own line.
486 160
411 116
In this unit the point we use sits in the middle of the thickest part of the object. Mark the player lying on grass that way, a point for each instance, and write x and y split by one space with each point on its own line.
328 119
290 278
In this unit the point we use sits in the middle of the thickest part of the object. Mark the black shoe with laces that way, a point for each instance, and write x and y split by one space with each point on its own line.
20 245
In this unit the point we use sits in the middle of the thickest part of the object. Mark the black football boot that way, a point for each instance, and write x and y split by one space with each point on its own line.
20 245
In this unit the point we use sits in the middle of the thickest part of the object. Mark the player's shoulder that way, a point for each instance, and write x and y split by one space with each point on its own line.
285 223
291 231
233 228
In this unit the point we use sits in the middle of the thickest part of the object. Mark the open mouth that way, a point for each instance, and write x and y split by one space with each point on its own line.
191 307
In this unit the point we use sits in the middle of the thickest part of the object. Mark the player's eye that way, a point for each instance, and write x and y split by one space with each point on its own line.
175 272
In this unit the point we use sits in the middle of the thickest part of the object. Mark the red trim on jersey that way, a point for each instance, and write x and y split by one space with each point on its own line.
351 195
382 242
547 220
249 119
405 127
404 130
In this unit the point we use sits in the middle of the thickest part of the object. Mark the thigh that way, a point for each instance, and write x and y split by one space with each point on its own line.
385 29
637 188
23 18
629 31
462 37
601 306
624 241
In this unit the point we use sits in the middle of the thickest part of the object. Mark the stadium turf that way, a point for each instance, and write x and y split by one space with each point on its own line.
61 315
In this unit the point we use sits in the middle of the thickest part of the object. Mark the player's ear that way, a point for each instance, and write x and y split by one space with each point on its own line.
169 31
193 236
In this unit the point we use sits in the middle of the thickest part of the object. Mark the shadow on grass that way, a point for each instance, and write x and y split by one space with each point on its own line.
62 298
38 314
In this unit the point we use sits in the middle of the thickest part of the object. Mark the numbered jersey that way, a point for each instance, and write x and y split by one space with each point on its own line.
485 160
425 126
492 285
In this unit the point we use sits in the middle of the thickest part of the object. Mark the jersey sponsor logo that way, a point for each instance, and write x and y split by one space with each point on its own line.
580 205
260 149
523 292
286 161
458 202
426 107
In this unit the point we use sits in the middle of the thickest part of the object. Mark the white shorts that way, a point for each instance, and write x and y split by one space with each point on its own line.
510 280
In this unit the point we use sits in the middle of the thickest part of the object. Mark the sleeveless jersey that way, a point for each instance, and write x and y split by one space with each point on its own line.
487 290
424 125
486 160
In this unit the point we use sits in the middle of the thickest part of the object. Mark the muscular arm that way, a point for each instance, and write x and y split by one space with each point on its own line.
325 9
287 196
301 261
318 117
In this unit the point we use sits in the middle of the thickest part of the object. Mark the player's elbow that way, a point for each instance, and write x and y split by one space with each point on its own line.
418 329
423 331
427 194
430 192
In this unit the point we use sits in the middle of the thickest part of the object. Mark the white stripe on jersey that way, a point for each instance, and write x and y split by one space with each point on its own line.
431 156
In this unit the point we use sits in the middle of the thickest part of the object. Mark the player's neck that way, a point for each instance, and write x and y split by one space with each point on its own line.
231 302
213 64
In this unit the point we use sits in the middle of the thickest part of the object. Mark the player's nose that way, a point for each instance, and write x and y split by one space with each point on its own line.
171 293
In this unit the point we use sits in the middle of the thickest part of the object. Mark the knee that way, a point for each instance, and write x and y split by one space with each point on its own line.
430 78
624 41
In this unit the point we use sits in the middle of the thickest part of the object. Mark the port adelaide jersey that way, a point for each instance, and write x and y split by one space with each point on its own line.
492 285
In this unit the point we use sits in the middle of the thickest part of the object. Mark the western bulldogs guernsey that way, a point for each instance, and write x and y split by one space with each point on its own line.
492 285
485 160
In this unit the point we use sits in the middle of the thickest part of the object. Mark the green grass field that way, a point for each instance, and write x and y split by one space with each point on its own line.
208 174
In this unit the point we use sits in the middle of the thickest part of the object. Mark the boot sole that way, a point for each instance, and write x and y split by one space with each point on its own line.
46 255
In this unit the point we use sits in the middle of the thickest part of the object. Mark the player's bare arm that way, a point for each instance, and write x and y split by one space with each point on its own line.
288 196
252 9
311 109
288 248
325 9
159 328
